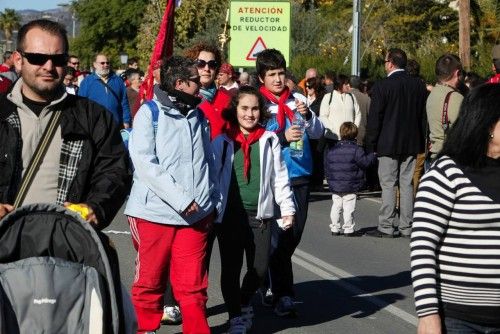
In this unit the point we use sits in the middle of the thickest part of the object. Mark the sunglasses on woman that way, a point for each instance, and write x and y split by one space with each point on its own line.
40 59
212 64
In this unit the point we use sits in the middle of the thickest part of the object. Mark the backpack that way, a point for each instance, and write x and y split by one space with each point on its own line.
155 112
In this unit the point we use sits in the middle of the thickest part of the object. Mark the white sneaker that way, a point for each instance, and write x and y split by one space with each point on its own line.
171 315
247 316
237 326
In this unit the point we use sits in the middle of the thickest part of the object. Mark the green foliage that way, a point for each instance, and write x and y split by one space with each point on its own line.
109 27
9 21
148 30
320 34
190 26
194 16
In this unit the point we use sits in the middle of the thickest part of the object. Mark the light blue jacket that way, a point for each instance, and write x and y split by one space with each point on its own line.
172 170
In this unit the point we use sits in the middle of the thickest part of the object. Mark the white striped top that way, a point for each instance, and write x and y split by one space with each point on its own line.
455 244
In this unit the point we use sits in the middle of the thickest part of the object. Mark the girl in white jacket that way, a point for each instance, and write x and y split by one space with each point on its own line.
253 179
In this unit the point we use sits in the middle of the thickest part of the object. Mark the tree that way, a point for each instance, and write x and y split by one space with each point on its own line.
107 26
9 21
190 25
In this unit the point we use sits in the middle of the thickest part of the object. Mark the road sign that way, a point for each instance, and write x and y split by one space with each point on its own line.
257 47
256 26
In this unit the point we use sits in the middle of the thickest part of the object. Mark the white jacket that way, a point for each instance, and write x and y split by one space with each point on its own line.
274 181
337 109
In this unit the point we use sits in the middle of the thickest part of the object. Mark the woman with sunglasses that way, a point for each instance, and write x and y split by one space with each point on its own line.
208 60
171 204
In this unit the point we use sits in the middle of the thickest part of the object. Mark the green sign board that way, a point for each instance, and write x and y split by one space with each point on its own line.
258 25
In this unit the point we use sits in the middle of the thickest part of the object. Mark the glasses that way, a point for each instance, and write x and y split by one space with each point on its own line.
195 79
75 63
212 64
40 59
309 86
104 62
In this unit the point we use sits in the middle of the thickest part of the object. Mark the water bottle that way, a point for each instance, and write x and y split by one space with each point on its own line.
297 147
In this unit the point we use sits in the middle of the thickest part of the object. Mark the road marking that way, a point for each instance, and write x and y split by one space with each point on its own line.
371 199
116 232
329 272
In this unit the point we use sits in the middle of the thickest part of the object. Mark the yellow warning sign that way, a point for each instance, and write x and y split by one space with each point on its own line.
256 26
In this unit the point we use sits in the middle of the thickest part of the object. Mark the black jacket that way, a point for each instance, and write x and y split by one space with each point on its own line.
102 179
395 119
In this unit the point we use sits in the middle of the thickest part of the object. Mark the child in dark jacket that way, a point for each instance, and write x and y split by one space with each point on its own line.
345 163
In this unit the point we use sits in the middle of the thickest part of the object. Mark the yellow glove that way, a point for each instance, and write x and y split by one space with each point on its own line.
80 209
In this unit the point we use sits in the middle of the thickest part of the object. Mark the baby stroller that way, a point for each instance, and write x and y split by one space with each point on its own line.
59 275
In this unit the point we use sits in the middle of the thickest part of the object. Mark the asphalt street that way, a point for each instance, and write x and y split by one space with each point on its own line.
343 284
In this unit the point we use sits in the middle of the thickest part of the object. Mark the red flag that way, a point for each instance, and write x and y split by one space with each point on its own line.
164 48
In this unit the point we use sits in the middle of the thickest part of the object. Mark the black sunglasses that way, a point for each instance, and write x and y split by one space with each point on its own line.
60 59
195 79
212 64
104 62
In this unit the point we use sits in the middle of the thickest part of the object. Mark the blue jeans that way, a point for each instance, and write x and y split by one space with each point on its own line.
456 326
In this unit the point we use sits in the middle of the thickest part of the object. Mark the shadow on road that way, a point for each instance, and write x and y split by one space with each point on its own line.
323 301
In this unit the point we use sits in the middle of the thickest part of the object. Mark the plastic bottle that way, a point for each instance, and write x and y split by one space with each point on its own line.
297 147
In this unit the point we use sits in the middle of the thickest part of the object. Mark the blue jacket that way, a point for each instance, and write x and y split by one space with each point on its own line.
97 92
345 163
173 168
297 167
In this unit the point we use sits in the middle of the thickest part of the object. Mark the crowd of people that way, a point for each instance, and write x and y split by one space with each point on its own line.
234 156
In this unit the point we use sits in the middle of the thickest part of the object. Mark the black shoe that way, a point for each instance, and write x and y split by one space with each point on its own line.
377 234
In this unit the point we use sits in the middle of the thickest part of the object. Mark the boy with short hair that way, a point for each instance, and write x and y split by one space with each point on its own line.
345 162
282 104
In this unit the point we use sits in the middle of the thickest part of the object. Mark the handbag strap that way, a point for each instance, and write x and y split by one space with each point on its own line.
445 123
37 157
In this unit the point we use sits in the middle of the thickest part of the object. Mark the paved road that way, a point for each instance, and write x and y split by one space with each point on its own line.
343 285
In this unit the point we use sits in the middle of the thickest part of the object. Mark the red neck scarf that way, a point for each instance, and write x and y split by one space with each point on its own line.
237 136
283 109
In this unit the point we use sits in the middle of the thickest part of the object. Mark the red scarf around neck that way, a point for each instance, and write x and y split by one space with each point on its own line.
283 109
238 137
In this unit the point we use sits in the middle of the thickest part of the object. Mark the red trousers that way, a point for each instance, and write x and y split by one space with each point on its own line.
184 249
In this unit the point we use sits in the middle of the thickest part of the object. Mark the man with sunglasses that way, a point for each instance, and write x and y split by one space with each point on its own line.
85 161
108 89
394 131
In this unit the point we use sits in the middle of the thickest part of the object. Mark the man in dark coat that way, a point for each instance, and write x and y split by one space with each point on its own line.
394 132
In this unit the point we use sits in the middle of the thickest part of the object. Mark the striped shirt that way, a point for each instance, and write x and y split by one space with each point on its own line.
455 247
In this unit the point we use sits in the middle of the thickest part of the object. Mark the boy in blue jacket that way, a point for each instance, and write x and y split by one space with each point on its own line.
345 162
282 104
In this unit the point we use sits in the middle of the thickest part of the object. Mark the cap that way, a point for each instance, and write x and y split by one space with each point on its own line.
496 52
226 68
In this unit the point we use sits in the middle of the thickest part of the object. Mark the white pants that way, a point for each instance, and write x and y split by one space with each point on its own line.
347 205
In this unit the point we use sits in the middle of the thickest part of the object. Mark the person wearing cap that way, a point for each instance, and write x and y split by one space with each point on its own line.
225 79
496 64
